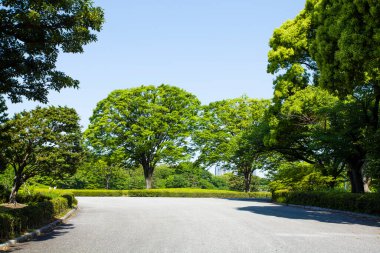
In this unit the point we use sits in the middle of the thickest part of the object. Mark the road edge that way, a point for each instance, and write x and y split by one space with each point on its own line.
43 230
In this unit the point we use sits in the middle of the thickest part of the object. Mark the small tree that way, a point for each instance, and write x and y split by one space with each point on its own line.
44 141
222 131
147 124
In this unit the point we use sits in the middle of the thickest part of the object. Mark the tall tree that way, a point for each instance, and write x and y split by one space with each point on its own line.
345 45
44 141
147 124
32 33
222 126
337 43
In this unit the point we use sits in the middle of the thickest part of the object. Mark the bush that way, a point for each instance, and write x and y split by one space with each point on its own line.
355 202
9 226
41 209
71 200
4 194
23 197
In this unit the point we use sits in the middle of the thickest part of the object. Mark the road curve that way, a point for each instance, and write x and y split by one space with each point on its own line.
176 225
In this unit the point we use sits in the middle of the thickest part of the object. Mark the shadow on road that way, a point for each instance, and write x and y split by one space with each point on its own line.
58 231
265 200
303 214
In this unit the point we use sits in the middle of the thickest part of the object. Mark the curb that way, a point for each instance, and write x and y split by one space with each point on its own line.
45 229
315 208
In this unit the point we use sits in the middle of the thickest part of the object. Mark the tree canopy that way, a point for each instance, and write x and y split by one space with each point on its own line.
44 141
32 33
332 46
147 124
220 138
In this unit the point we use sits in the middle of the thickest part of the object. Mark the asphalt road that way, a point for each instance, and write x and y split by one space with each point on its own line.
177 225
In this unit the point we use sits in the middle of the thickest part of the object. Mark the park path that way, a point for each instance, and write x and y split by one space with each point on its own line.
176 225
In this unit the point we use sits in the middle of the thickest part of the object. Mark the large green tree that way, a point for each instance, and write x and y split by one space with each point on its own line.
32 33
332 45
147 124
345 45
220 138
41 142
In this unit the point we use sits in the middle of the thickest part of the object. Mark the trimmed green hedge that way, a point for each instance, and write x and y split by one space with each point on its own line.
170 192
98 193
195 193
355 202
36 214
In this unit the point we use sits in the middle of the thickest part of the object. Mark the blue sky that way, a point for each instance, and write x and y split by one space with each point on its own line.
215 49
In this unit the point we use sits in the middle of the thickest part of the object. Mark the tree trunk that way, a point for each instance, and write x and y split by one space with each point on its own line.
148 174
367 183
247 180
356 179
17 182
148 181
108 178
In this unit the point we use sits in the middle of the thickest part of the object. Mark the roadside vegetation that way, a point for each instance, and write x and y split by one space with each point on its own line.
172 192
317 140
38 209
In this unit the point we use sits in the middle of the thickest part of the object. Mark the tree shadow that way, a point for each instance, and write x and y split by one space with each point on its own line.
60 230
264 200
304 214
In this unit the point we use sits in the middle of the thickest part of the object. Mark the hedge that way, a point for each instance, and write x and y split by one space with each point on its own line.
354 202
15 221
98 193
195 193
169 192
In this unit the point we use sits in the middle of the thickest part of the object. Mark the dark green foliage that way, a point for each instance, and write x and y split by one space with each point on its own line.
4 194
355 202
6 178
3 109
32 33
327 89
41 209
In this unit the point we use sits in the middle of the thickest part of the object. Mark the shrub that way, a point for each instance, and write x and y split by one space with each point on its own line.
42 208
4 194
23 197
355 202
9 226
71 200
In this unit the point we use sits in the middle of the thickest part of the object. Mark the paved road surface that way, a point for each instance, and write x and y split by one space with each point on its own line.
176 225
